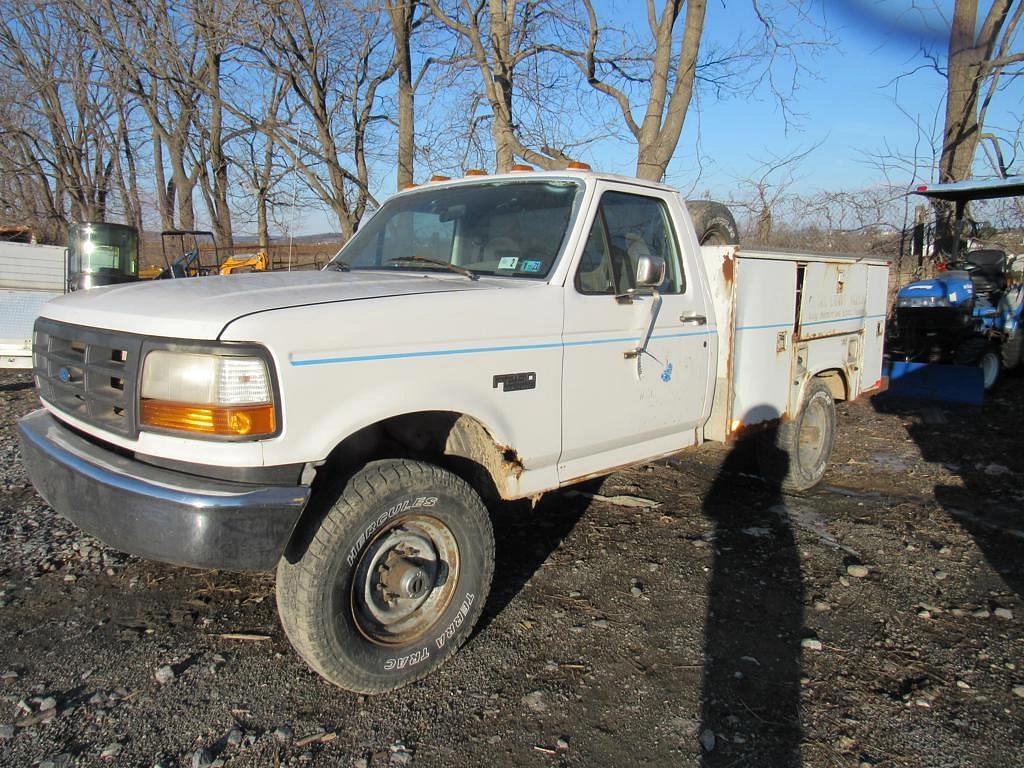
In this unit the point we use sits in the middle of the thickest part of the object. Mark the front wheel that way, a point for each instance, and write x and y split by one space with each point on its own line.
796 454
393 580
983 354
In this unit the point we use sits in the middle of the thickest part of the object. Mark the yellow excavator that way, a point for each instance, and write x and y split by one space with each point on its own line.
245 262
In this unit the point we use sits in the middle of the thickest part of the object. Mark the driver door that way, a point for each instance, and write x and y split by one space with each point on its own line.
620 403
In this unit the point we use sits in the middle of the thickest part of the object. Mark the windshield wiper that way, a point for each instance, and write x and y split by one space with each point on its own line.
339 266
443 264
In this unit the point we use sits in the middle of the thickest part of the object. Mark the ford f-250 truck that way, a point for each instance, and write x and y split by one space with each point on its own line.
478 339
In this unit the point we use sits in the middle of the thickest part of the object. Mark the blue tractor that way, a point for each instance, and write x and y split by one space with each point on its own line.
970 313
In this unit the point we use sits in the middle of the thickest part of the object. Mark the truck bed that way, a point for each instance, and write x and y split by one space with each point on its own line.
781 314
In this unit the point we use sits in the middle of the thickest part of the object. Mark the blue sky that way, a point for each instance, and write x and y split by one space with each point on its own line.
850 104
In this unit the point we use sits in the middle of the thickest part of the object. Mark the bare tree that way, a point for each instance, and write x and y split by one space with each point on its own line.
215 23
977 60
259 158
401 16
762 194
500 35
668 65
334 59
40 48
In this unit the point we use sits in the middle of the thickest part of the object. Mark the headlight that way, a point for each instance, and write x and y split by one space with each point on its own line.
922 301
210 394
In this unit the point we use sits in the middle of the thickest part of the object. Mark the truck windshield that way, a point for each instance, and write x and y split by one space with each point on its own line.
506 228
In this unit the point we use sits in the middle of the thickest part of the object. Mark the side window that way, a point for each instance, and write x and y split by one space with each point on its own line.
627 227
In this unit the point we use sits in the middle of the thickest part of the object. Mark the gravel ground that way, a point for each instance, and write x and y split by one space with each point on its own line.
875 621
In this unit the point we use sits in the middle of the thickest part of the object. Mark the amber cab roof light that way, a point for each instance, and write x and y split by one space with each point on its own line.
520 168
576 165
440 177
476 172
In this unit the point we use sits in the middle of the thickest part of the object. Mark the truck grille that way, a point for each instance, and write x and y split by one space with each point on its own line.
87 373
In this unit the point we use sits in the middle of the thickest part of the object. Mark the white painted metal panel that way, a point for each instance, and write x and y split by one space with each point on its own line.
808 257
18 313
762 352
720 272
874 325
34 267
833 298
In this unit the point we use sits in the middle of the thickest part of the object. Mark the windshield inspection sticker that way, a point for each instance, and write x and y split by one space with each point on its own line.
531 266
508 262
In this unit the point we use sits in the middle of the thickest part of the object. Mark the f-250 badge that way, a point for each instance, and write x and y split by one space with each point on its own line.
513 382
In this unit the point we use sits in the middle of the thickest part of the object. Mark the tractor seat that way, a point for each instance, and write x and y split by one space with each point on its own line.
987 270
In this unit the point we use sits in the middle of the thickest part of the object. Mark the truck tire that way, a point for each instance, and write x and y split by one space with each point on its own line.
392 581
796 454
713 222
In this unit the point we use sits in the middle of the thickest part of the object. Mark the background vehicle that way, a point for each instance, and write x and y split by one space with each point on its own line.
246 262
30 275
98 253
189 253
479 339
970 313
101 253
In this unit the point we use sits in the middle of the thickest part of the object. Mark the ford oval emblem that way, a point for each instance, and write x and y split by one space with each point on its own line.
64 374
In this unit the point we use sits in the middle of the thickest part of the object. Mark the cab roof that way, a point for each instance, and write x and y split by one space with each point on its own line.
582 175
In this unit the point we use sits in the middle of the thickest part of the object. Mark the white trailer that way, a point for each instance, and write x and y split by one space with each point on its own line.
30 275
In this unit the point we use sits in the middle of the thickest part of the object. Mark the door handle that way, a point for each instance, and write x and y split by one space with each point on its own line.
693 319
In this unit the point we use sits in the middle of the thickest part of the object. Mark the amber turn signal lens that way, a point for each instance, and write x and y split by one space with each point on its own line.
229 421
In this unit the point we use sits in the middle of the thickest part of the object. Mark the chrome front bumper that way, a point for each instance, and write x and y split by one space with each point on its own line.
157 513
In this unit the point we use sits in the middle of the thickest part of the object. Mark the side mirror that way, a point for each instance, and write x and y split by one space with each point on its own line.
650 271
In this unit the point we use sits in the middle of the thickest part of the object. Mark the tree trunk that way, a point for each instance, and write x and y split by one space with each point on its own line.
966 58
400 14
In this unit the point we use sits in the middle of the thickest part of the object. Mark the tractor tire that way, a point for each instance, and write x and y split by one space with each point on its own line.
982 353
393 579
1010 351
713 222
796 454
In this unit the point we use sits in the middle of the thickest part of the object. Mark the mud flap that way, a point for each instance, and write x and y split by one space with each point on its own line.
936 381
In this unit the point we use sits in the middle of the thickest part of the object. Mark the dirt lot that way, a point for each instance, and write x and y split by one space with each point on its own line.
875 621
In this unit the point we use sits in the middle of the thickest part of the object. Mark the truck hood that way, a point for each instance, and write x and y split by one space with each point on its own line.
201 307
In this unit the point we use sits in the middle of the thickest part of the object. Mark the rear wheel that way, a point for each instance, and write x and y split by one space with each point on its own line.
796 454
393 580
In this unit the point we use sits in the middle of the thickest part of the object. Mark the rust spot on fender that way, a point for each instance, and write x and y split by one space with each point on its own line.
728 267
511 461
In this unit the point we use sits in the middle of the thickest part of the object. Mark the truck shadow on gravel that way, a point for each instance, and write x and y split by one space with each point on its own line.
981 446
750 698
525 538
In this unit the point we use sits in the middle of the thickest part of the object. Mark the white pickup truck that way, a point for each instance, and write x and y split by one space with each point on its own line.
479 339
